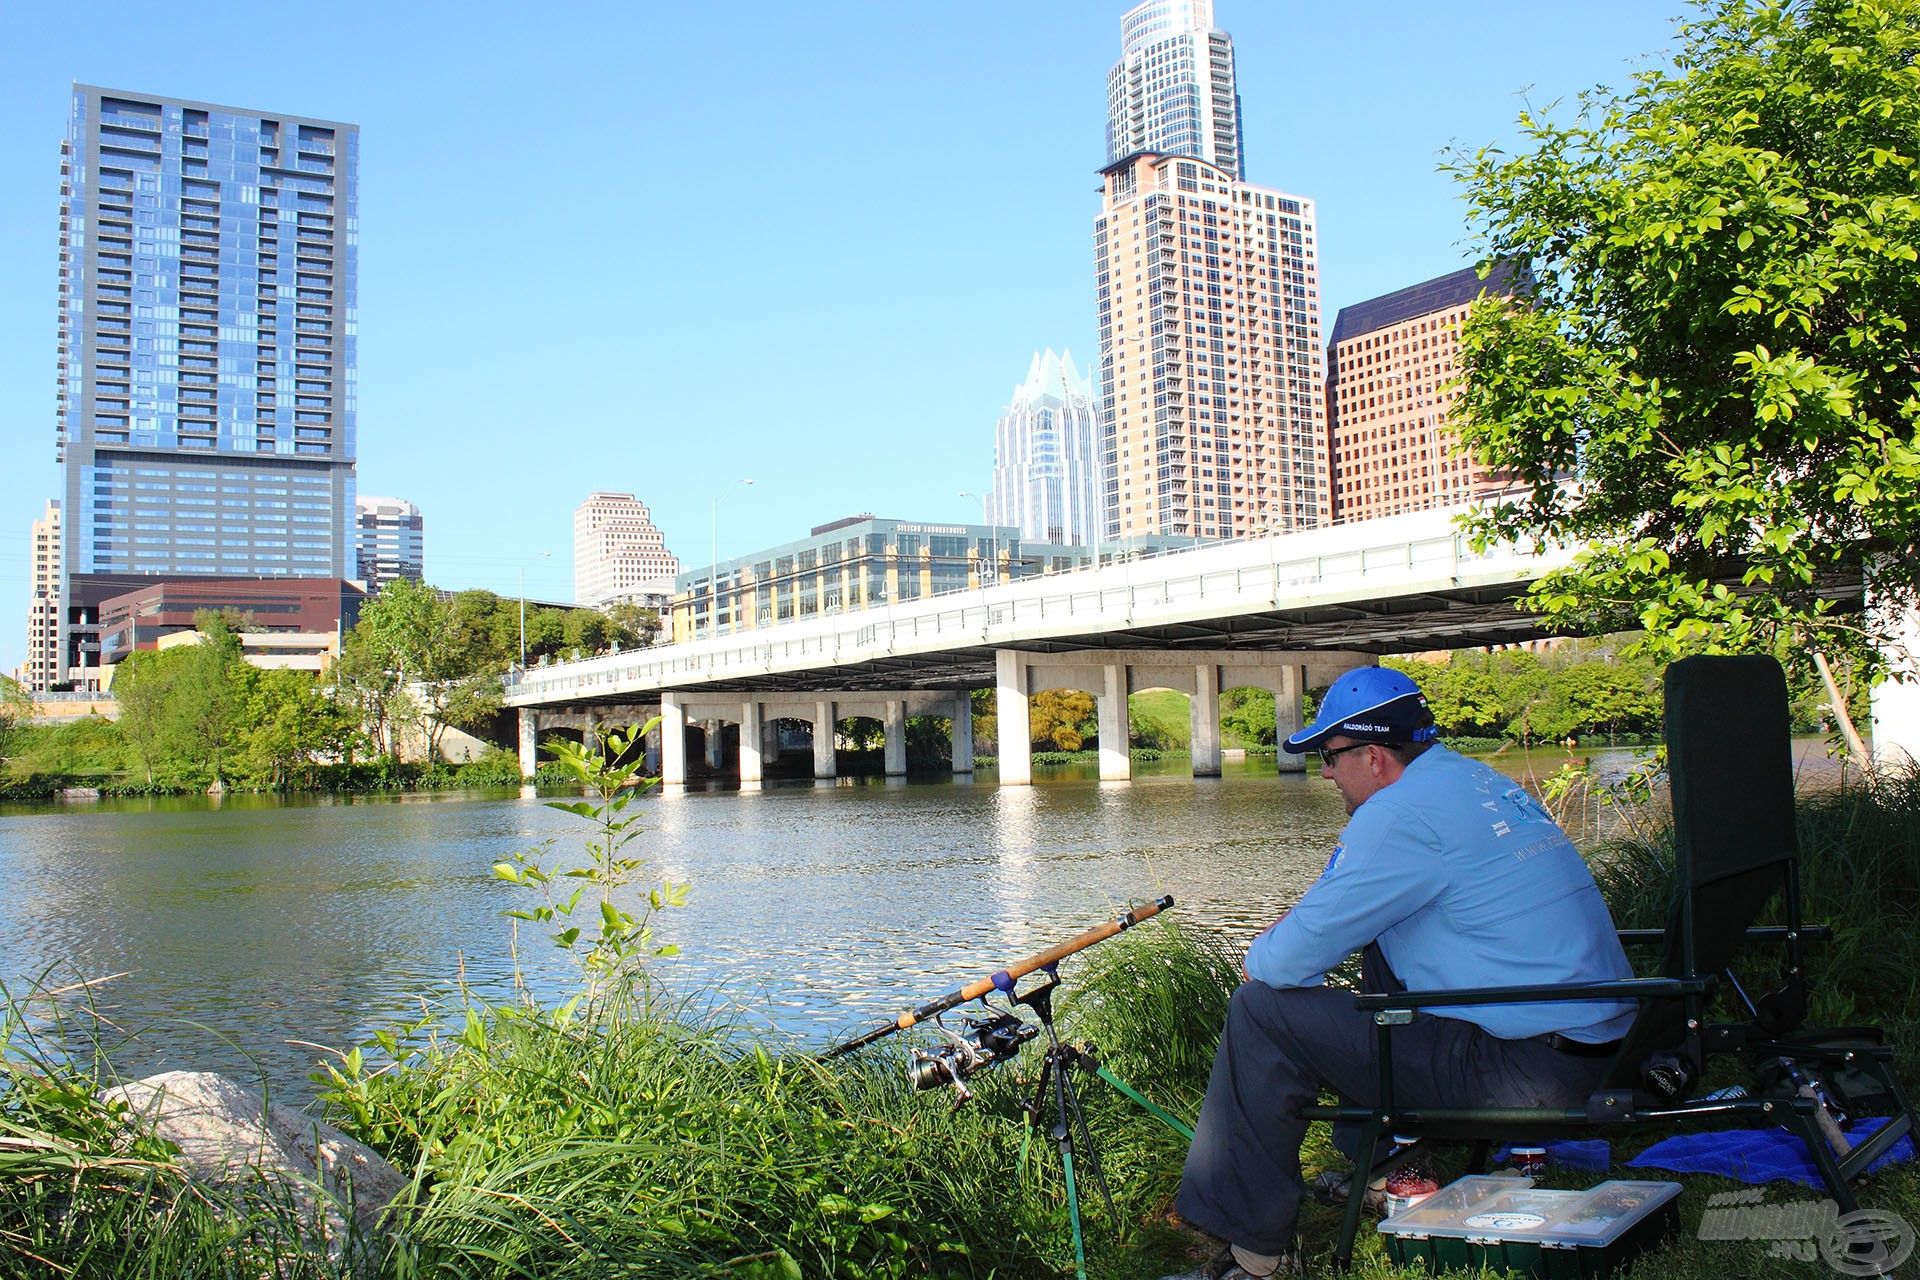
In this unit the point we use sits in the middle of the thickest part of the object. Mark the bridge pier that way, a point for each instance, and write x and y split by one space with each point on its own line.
1288 717
1116 725
1016 725
529 742
673 741
825 765
962 736
896 730
752 741
1110 675
1203 721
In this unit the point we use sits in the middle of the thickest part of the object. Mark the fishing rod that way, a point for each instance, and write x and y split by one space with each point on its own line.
1004 980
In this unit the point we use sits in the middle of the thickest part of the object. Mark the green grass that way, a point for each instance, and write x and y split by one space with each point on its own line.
652 1142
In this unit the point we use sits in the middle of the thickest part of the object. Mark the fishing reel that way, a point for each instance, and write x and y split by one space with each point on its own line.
986 1042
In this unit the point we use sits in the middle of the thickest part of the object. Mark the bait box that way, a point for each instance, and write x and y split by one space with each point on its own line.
1508 1224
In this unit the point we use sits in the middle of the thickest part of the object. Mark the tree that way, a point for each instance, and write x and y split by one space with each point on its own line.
1060 719
409 640
374 691
1720 347
290 725
1249 715
633 627
16 708
142 686
203 712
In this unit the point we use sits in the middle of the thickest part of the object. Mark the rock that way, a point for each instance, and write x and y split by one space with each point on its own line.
267 1160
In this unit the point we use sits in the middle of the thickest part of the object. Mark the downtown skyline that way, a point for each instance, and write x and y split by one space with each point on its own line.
550 305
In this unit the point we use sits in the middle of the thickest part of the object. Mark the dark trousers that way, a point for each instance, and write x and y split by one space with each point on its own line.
1281 1047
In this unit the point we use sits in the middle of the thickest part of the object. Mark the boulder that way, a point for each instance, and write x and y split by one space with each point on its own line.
269 1162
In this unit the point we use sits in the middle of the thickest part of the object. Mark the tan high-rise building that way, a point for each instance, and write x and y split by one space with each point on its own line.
1212 412
42 667
618 554
1390 365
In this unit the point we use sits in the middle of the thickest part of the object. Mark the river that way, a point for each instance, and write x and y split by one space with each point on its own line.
235 935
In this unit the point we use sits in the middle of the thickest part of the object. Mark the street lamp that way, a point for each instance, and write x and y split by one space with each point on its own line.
540 555
713 551
993 532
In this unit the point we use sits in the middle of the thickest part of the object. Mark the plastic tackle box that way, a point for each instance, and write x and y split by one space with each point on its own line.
1509 1224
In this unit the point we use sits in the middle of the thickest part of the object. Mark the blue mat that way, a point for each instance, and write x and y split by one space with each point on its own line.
1756 1155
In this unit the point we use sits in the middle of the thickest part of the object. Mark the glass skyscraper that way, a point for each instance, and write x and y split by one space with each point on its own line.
208 263
1046 456
1173 91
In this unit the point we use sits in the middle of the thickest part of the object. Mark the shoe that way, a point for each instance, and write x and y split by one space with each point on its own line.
1226 1265
1407 1172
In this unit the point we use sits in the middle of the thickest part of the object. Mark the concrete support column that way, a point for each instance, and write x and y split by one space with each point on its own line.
824 763
673 741
896 738
1116 755
1016 726
1287 717
1203 721
752 739
1896 703
529 741
962 735
716 744
589 728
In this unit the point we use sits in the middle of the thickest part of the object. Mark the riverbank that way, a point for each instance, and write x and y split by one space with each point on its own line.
649 1134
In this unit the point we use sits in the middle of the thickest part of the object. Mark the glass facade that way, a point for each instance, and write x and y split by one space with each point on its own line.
1173 92
1046 459
868 563
208 285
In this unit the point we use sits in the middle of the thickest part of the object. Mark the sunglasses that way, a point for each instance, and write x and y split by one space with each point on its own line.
1330 754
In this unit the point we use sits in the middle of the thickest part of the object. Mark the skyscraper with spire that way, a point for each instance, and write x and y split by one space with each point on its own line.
1046 462
1211 407
1173 91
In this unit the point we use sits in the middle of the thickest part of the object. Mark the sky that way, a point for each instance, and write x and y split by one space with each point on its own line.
664 248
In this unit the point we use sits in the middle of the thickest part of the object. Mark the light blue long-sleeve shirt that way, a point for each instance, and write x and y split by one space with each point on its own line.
1465 881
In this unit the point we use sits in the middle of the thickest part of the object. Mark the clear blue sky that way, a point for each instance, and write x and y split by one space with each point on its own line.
660 247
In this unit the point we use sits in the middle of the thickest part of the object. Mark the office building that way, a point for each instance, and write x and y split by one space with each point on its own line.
618 554
1173 92
42 667
866 563
1046 460
389 541
208 264
1390 364
1212 418
292 623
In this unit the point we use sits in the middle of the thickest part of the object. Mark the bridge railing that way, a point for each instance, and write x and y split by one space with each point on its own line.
1030 608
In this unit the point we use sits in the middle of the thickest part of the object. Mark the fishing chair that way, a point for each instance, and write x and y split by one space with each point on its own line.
1735 850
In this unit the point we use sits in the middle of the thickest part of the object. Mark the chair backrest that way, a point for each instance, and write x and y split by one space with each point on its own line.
1730 768
1730 771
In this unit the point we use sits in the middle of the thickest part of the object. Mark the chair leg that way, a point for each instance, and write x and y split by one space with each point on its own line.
1370 1134
1901 1123
1799 1121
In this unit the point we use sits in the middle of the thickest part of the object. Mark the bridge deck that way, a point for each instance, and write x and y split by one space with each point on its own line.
1399 585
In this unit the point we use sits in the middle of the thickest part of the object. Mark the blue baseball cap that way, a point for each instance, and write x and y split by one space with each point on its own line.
1369 704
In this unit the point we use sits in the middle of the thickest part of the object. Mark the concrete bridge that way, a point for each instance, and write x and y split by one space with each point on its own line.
1284 613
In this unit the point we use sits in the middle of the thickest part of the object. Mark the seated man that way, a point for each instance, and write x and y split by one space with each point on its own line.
1453 876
